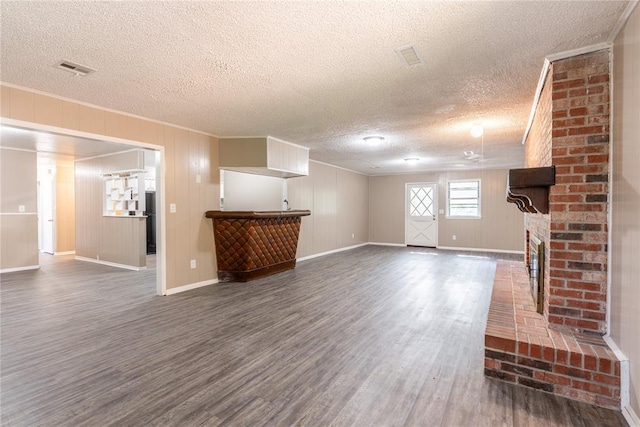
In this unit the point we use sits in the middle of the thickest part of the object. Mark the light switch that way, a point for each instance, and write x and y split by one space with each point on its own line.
172 208
198 179
441 211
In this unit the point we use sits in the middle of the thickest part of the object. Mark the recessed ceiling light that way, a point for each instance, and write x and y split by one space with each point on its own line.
477 130
412 160
373 140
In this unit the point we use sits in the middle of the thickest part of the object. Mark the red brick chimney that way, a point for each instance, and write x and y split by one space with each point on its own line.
571 131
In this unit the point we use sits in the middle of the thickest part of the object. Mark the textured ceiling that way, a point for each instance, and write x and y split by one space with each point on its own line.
319 74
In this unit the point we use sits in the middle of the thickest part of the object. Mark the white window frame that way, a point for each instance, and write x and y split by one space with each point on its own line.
479 216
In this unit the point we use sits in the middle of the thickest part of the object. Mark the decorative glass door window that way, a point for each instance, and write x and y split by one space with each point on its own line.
421 201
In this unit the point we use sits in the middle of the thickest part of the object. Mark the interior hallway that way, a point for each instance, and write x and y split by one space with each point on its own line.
375 336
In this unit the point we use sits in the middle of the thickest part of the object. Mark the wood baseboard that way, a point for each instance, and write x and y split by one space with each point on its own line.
190 286
11 270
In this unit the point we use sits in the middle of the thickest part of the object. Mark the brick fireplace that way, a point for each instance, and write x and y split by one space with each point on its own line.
561 350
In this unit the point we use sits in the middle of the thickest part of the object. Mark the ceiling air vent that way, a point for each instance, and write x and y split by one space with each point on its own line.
470 155
409 56
72 67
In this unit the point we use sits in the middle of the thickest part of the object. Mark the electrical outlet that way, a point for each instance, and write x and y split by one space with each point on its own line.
193 263
21 208
454 237
172 208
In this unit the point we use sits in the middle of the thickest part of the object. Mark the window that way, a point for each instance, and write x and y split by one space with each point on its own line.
463 199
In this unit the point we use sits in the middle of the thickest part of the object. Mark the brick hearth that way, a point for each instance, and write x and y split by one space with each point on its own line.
521 348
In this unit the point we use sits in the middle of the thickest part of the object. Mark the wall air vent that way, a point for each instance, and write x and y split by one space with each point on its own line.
409 56
74 68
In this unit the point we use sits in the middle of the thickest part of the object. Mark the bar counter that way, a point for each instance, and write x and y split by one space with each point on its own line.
253 244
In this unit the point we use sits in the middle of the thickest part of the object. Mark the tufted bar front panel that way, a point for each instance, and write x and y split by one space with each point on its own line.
255 244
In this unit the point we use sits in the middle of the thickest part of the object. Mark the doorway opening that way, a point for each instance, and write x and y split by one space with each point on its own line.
46 208
58 151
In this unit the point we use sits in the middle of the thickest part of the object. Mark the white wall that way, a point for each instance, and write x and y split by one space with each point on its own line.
625 201
249 192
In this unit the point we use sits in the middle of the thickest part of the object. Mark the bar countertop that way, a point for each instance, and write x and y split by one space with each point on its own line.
257 214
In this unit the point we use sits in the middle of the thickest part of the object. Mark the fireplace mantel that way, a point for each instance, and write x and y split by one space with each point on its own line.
528 188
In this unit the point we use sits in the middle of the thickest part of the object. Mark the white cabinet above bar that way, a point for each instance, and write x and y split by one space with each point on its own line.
264 156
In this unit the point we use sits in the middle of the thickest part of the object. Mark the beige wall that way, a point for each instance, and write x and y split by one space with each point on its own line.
187 154
625 201
338 201
352 208
118 240
500 228
18 231
243 152
65 208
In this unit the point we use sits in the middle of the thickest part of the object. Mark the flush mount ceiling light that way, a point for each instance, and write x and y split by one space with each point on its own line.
477 130
373 140
412 160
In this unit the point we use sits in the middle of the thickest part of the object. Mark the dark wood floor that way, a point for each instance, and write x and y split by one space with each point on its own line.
375 336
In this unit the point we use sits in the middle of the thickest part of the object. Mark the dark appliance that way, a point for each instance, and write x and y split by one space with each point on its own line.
150 204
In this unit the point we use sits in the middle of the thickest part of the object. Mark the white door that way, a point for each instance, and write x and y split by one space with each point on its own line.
46 212
421 227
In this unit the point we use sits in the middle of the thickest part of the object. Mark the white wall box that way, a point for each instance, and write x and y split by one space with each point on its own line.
124 193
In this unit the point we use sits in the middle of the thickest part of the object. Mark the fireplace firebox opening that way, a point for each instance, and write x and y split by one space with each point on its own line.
535 266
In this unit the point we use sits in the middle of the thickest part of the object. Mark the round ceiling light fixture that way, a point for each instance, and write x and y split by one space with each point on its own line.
373 140
412 160
477 130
